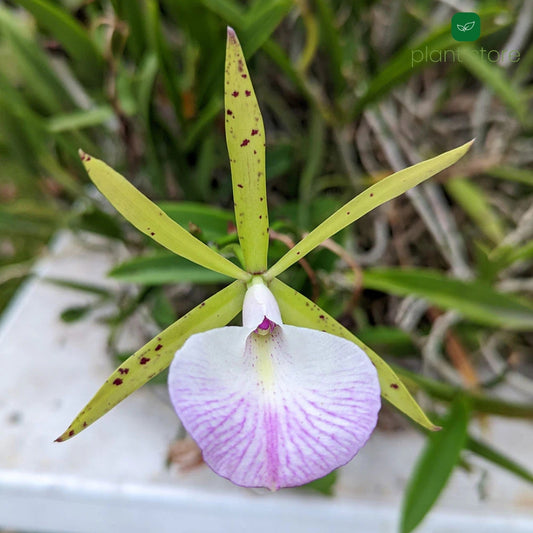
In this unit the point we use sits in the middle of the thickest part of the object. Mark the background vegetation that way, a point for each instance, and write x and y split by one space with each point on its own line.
438 281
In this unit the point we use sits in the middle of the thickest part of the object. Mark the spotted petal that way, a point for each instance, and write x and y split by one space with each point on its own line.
275 406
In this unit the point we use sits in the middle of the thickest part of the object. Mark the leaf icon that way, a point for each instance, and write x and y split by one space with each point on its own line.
460 27
469 25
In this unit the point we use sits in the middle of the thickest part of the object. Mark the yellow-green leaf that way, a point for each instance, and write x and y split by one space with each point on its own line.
297 310
245 137
376 195
157 355
152 221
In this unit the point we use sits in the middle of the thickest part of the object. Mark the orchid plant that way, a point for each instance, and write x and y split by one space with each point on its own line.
291 394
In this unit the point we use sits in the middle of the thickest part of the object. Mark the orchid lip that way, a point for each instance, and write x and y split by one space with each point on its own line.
274 405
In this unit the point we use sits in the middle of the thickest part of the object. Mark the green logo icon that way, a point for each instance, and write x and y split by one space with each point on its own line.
466 26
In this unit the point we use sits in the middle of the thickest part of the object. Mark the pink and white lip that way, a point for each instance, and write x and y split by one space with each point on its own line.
270 404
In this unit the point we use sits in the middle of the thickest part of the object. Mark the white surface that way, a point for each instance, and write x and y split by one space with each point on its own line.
113 477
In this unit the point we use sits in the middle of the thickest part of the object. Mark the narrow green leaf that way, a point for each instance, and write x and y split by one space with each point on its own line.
520 175
474 202
478 402
86 56
152 221
498 458
376 195
157 355
73 314
211 222
79 286
475 300
79 119
164 268
297 310
495 78
261 21
434 466
29 61
245 136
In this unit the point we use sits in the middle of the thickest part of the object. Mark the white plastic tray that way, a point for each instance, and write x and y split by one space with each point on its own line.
113 477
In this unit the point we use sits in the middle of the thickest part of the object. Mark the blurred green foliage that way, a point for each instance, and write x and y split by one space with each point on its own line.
138 83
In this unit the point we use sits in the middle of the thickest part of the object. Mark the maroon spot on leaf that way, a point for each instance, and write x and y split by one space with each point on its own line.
117 382
229 112
152 233
59 439
244 76
347 212
371 194
298 253
85 424
245 142
255 152
322 317
394 385
235 94
202 304
255 132
144 360
71 433
247 93
260 216
123 370
260 198
240 186
158 347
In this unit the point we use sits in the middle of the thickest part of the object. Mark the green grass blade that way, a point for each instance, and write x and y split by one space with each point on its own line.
519 175
434 466
157 355
261 21
211 222
87 58
164 268
245 136
152 221
498 458
376 195
297 310
475 300
474 202
495 78
478 402
79 119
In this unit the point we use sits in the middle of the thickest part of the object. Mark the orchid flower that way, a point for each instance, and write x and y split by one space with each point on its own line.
291 394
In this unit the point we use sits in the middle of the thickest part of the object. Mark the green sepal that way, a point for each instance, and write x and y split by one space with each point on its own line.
297 310
157 355
376 195
245 137
152 221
